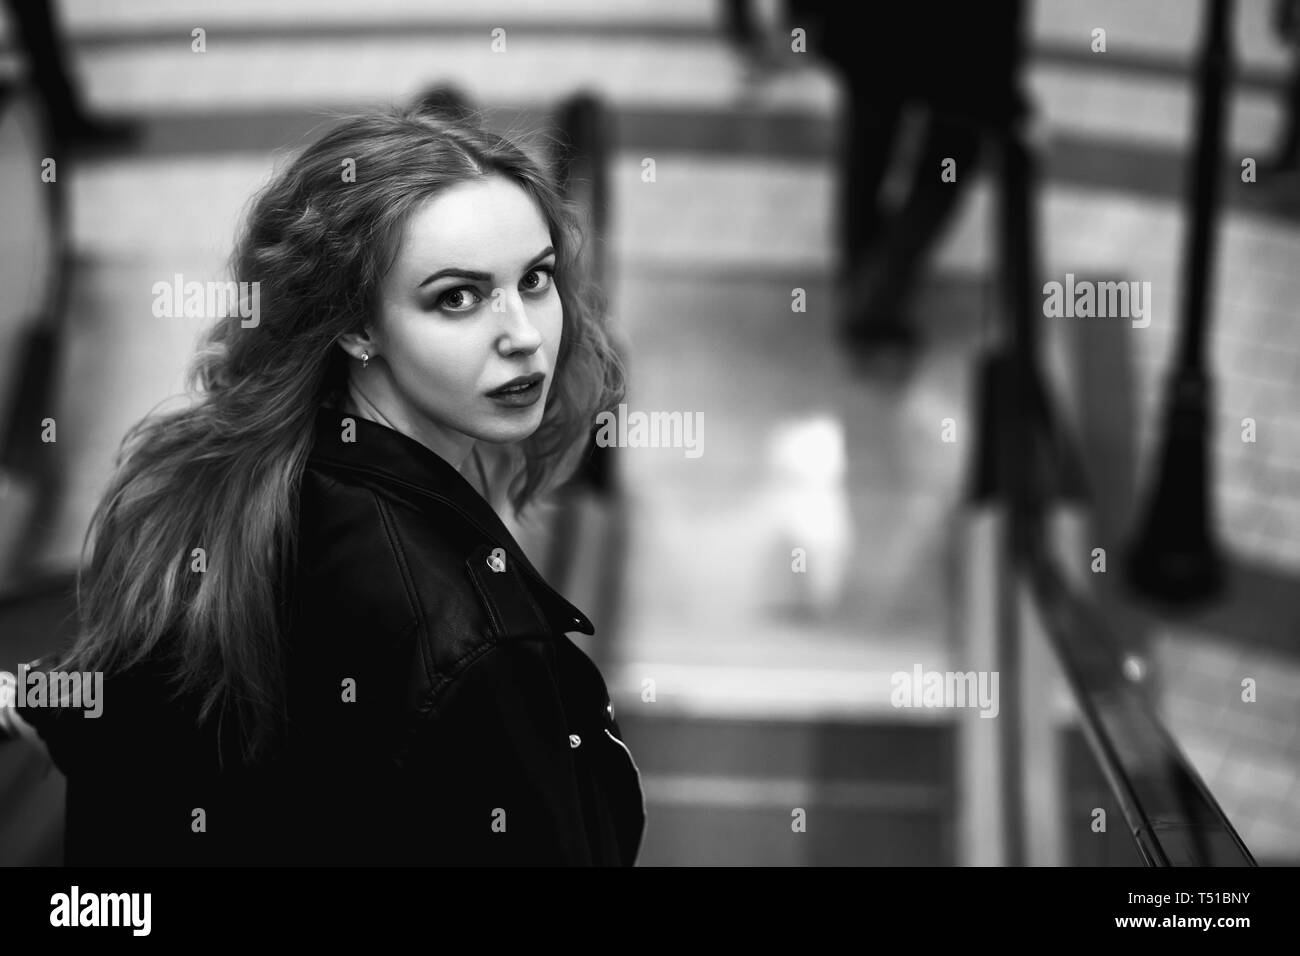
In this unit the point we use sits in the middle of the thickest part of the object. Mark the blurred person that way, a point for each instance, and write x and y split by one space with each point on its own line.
953 66
361 666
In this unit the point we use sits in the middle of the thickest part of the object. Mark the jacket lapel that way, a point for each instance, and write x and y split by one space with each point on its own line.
391 457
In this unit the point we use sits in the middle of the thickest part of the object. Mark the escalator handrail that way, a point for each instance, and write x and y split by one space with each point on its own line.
1173 817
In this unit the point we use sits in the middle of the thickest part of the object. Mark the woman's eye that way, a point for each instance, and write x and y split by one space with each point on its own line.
538 280
459 300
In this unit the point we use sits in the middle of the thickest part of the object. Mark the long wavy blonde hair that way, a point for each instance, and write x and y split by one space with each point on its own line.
224 473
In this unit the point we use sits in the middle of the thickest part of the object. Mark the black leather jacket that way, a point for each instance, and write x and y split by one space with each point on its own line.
438 713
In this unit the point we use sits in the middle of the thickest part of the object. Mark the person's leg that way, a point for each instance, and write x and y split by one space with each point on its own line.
870 133
880 294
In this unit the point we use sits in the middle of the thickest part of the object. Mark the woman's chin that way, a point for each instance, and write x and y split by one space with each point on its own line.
509 431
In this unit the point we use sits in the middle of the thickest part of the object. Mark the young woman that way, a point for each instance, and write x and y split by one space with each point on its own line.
321 643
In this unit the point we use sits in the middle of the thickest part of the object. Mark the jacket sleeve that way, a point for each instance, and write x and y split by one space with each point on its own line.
490 771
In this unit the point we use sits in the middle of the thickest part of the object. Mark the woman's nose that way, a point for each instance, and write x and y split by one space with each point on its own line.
518 333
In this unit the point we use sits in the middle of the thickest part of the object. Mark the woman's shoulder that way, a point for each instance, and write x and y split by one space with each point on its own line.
347 570
373 573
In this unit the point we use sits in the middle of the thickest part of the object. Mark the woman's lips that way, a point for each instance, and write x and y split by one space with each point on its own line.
519 397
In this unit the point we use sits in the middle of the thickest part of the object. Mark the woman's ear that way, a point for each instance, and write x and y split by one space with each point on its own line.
355 343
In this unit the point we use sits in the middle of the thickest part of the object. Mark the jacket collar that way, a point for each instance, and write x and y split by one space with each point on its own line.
388 455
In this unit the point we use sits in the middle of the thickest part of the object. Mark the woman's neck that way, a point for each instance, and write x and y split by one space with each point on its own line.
354 402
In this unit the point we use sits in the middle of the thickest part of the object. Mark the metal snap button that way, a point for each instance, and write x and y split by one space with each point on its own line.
574 741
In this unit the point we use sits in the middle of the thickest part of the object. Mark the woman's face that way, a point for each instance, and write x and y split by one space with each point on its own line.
469 305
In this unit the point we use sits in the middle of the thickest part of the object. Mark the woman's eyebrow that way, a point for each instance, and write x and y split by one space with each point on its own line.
458 273
477 276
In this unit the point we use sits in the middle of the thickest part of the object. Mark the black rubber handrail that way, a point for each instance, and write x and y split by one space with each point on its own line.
1173 817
